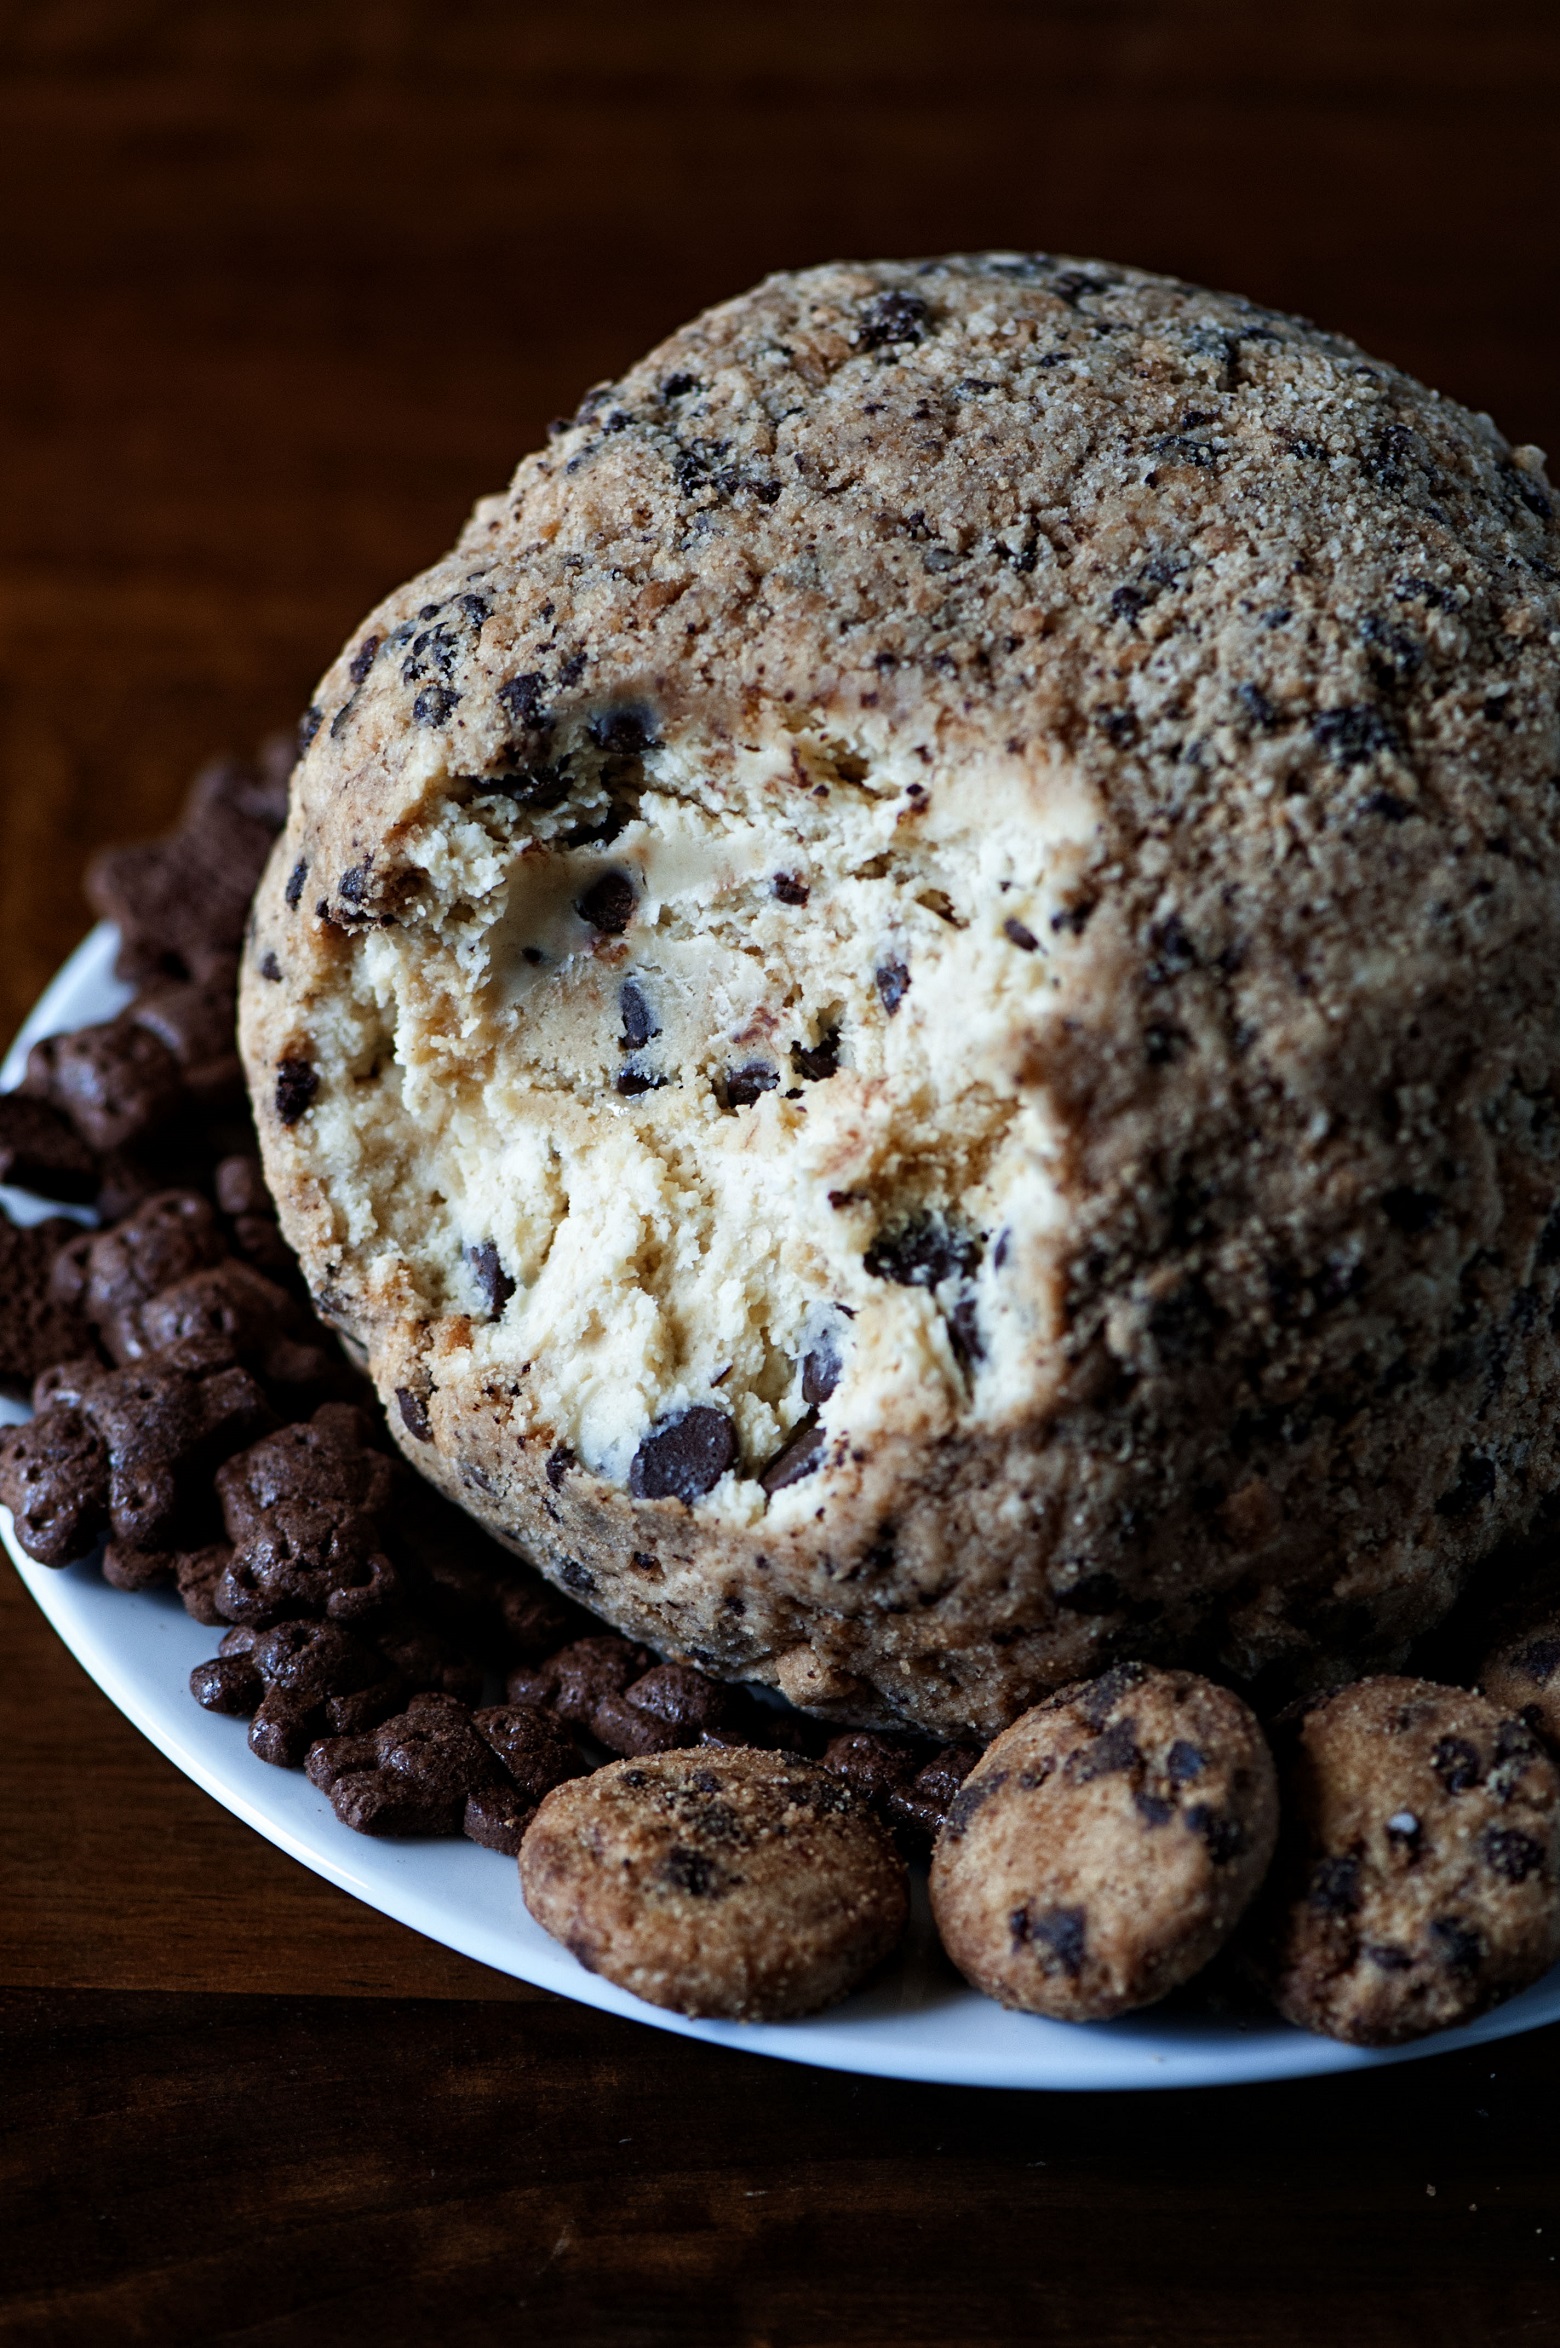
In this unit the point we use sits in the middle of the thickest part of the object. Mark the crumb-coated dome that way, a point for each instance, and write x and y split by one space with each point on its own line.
912 1005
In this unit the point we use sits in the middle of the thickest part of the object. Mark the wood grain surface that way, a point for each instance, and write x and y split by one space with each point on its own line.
282 289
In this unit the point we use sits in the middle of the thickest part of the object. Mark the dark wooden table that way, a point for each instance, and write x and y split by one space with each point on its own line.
284 287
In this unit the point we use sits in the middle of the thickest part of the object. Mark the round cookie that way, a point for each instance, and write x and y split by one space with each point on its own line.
1522 1675
1418 1875
746 1884
902 1007
1106 1845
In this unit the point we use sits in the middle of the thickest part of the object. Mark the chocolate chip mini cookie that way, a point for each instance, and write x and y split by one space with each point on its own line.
1418 1879
1522 1675
908 1008
1106 1845
746 1884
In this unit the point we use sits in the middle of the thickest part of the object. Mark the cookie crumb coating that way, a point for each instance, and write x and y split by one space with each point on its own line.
1418 1877
742 1884
911 1007
1106 1845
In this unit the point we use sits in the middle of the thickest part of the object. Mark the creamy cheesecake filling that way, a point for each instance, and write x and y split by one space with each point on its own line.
703 1089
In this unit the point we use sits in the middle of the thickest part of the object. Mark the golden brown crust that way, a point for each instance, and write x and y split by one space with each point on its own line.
1106 1845
1418 1876
1263 634
738 1883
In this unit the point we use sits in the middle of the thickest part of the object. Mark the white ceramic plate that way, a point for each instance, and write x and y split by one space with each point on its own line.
918 2022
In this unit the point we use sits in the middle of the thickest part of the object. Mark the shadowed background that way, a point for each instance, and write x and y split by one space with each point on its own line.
283 288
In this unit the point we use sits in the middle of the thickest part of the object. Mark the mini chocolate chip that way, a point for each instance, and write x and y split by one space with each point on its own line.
1153 1809
297 1082
693 1872
631 1080
745 1084
1021 937
487 1269
1512 1855
920 1253
434 704
363 659
559 1461
626 731
1388 806
679 385
269 967
414 1413
1538 1661
608 904
892 980
575 1576
973 1793
684 1456
1335 1886
1183 1762
1353 736
309 725
1115 1749
821 1370
891 317
1224 1838
295 880
789 889
1100 1697
1058 1936
1514 1742
1459 1947
1388 1956
800 1455
523 698
1457 1764
638 1023
818 1061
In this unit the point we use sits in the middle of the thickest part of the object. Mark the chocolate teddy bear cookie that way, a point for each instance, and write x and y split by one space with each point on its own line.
180 902
128 1453
1106 1845
621 1696
747 1884
1418 1876
41 1321
441 1769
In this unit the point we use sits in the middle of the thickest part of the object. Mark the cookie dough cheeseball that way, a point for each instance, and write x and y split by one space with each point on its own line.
746 1884
1106 1845
908 1007
1418 1880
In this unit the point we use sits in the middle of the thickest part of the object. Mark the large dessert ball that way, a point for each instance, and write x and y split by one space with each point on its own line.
911 1009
